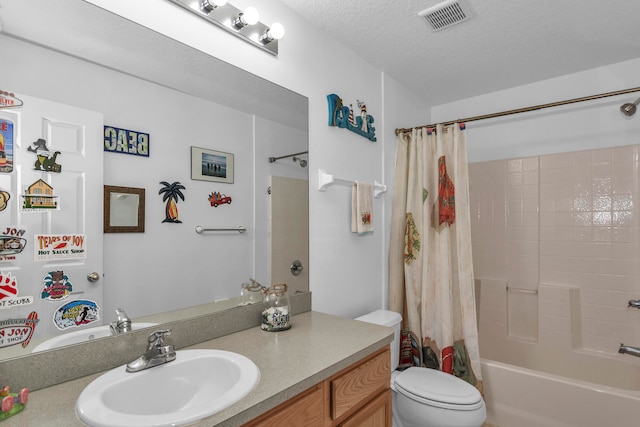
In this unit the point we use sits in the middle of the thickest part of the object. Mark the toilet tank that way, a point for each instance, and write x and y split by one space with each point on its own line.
392 320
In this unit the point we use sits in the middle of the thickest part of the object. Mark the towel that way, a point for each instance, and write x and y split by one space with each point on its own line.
361 208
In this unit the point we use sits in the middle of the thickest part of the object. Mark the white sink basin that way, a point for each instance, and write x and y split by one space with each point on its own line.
199 383
83 335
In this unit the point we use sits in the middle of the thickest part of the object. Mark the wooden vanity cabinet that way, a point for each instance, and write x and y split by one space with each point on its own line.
358 396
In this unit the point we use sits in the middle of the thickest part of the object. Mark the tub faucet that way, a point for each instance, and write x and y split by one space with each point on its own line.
634 303
634 351
122 325
158 352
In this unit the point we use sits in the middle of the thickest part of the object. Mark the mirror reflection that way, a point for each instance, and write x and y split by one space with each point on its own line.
138 79
123 210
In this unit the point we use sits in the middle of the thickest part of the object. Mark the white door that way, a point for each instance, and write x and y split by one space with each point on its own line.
57 154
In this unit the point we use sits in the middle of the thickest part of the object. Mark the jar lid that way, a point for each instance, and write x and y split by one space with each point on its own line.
278 289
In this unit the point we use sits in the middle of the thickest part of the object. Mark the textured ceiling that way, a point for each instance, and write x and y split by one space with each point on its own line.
507 43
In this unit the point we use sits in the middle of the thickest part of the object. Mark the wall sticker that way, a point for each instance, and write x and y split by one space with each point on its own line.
12 242
59 246
76 313
126 141
216 199
39 197
9 297
170 195
45 159
18 331
56 286
6 146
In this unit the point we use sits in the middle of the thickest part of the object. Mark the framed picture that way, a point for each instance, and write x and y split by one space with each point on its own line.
210 165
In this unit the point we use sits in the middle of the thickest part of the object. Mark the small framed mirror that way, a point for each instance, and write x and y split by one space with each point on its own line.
123 209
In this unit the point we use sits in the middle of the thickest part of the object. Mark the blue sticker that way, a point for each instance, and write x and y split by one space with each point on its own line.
76 313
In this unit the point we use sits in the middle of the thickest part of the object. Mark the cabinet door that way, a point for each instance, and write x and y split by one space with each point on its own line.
376 413
305 410
358 385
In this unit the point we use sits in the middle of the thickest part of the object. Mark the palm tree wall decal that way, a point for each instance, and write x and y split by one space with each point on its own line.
171 194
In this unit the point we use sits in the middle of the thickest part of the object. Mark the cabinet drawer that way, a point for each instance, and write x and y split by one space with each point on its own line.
360 384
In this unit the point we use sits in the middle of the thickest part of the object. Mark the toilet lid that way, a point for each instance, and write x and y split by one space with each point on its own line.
436 387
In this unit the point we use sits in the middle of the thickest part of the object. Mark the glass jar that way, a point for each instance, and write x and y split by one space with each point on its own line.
251 293
275 315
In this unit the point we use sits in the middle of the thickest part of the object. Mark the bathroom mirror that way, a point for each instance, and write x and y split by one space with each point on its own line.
110 44
123 209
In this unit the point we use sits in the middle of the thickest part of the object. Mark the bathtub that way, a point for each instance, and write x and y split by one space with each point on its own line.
521 397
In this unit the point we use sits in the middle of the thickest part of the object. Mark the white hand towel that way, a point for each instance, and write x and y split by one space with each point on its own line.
362 208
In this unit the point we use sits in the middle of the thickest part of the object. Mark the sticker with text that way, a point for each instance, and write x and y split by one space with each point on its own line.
76 313
17 331
12 242
56 286
9 297
59 246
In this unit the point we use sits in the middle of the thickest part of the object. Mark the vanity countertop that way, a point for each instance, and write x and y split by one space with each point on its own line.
317 346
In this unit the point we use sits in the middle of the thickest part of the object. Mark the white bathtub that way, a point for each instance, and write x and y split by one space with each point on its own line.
521 397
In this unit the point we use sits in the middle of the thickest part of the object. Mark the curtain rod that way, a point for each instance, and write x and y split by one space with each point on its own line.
527 109
273 159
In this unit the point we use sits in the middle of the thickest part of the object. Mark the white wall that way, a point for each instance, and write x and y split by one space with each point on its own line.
580 126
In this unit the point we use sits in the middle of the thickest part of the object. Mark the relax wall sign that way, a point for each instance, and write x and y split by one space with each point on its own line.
125 141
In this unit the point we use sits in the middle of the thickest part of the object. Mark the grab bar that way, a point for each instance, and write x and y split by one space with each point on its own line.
200 229
522 290
634 303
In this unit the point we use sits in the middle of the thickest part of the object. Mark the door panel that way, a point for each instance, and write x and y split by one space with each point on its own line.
76 136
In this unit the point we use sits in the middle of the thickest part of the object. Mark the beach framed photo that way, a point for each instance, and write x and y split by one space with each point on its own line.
211 165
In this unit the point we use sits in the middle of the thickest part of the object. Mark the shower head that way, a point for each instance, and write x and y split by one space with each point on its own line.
303 162
629 109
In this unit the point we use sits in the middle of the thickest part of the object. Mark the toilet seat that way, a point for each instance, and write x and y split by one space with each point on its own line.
439 389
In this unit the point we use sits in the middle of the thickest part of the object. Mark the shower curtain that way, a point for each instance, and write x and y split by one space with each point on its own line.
430 263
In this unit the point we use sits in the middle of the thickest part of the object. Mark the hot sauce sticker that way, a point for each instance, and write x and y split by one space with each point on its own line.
59 246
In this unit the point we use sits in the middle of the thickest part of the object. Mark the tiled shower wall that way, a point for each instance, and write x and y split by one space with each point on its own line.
562 231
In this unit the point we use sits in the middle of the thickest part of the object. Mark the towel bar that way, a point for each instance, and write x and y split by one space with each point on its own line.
325 180
200 229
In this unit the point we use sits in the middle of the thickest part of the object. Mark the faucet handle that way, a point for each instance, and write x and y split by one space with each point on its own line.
156 339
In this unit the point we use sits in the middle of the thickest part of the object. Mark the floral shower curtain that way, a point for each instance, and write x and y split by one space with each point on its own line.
430 263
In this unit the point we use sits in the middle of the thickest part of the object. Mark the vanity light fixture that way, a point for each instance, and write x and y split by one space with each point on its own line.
242 23
275 32
210 5
250 16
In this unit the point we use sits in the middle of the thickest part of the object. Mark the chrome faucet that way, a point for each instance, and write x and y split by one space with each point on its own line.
122 325
634 303
158 352
634 351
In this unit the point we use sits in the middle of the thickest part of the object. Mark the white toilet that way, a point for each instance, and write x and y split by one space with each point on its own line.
425 397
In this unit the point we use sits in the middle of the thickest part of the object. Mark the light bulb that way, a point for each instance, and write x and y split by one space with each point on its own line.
276 31
211 5
251 16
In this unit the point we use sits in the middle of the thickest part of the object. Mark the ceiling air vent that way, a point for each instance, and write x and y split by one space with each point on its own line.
445 14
